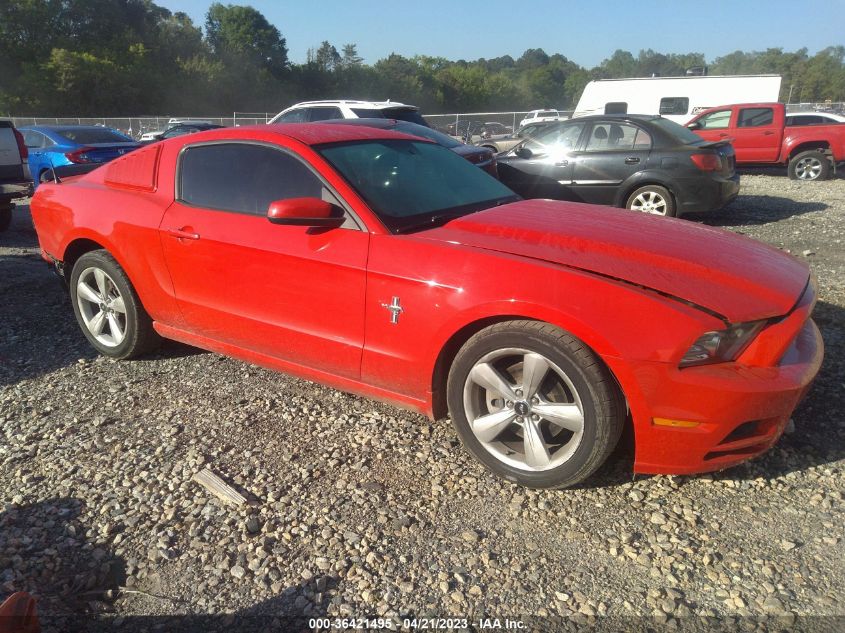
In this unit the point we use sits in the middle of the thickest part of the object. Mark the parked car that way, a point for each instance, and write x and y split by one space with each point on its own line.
465 129
540 115
52 146
15 180
759 135
494 128
388 266
505 142
179 129
812 118
312 111
478 156
640 162
153 135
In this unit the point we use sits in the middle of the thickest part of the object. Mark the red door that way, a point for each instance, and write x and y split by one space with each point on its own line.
293 292
756 137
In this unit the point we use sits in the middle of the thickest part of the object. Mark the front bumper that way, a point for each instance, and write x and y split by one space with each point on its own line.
740 410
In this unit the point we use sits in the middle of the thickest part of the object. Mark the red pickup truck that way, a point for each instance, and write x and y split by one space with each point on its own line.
760 136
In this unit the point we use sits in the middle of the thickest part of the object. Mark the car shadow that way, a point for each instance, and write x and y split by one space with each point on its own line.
753 210
80 584
40 332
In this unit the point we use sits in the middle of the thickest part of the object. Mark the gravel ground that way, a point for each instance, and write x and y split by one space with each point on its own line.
360 509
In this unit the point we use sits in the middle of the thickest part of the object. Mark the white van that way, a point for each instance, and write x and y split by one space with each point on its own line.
676 98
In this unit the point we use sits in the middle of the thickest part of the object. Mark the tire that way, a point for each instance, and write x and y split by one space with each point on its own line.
652 199
516 438
492 148
5 217
808 166
108 309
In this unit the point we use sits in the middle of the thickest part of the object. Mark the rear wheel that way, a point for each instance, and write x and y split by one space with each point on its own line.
652 199
809 165
5 216
534 404
108 309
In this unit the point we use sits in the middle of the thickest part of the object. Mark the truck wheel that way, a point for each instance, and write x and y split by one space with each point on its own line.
809 165
5 217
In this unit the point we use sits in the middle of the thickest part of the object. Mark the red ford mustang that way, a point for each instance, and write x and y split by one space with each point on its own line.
385 265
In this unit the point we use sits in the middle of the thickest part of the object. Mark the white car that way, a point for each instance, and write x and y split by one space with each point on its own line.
812 118
310 111
152 136
542 115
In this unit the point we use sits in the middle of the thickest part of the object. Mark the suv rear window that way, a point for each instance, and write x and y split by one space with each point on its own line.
405 114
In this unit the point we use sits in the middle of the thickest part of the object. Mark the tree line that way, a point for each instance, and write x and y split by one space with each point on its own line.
133 57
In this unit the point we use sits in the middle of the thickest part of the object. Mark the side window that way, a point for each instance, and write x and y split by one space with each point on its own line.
755 117
611 136
33 139
294 116
324 114
616 107
179 131
715 120
674 105
558 139
243 178
643 140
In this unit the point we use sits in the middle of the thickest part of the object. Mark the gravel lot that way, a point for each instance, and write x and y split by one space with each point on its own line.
360 509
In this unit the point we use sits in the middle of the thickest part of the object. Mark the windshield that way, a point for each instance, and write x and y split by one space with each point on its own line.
679 132
91 136
414 184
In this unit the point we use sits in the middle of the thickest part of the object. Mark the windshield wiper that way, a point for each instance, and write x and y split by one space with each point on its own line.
439 219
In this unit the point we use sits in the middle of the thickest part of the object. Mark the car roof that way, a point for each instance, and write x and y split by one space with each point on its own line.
314 133
353 102
64 128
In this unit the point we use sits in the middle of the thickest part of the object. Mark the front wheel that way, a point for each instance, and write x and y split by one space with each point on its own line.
108 309
652 199
809 165
534 404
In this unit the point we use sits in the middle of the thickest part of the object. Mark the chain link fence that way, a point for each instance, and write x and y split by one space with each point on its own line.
470 126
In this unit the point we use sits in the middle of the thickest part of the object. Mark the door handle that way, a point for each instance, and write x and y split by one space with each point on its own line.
768 133
185 233
723 136
632 160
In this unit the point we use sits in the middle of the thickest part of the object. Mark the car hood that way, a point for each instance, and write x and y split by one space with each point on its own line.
738 278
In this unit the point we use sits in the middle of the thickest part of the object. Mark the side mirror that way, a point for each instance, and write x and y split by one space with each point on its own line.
303 212
523 152
695 125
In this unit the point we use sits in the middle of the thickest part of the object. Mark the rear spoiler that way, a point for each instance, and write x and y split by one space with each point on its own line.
57 173
715 144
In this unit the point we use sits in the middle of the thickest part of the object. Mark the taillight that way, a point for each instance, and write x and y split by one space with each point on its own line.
78 155
707 162
21 145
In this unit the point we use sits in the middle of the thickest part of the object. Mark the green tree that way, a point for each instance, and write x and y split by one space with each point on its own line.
243 33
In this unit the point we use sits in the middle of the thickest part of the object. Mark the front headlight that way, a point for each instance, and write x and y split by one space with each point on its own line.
720 346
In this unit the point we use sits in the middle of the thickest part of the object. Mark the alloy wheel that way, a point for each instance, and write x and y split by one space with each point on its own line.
808 168
649 202
102 307
523 409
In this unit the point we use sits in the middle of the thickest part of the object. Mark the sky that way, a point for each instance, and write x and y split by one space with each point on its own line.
585 31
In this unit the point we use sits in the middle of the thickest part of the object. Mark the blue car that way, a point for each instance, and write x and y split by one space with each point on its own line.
57 145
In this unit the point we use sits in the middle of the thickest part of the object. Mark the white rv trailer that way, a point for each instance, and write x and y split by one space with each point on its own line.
676 98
